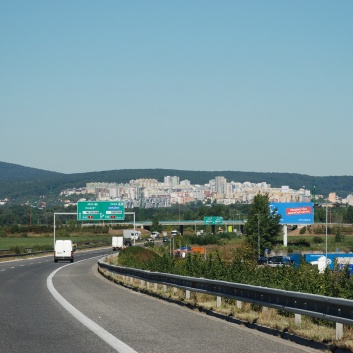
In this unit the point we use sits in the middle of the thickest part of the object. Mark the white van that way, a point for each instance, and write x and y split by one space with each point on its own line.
63 251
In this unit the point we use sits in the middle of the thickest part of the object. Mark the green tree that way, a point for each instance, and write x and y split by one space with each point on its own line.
262 227
155 224
348 215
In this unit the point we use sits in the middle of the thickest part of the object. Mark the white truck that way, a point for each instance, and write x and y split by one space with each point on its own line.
63 250
117 243
130 234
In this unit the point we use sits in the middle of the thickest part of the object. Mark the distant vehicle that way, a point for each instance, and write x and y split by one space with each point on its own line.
165 240
279 260
63 250
262 260
131 234
174 233
155 235
117 243
74 247
128 243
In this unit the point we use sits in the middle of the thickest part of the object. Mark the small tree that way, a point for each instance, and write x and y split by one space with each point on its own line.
155 224
262 227
348 215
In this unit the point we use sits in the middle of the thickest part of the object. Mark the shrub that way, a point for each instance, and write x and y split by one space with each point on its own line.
149 244
302 230
318 240
339 237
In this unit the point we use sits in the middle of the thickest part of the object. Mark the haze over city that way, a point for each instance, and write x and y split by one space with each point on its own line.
189 85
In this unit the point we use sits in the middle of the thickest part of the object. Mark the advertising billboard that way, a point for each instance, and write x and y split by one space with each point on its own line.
294 212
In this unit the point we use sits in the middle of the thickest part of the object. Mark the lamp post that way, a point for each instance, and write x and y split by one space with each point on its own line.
258 235
326 235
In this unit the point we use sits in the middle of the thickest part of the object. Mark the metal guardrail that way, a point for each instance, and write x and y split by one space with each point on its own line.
25 254
327 308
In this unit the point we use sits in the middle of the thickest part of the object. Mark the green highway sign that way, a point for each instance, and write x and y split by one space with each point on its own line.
100 211
212 220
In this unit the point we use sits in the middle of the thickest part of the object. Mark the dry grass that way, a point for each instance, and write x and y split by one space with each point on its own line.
309 329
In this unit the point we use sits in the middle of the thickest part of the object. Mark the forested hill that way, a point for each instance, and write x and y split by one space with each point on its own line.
14 172
18 182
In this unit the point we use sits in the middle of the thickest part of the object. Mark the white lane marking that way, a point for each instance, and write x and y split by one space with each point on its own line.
3 270
21 265
12 267
115 343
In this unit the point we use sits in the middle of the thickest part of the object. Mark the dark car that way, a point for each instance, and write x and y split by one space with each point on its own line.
263 260
165 240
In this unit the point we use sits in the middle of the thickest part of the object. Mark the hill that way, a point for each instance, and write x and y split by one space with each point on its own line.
21 183
14 172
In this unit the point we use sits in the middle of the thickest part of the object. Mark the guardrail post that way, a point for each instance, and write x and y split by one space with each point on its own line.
239 304
131 279
155 286
339 331
147 284
175 289
164 288
218 301
187 294
298 319
142 283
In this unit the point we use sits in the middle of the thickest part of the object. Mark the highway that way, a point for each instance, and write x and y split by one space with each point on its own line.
62 307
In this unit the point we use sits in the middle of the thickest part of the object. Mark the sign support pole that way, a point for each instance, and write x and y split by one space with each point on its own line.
133 213
62 213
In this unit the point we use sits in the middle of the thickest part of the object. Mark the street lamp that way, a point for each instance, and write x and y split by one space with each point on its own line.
326 205
326 235
258 235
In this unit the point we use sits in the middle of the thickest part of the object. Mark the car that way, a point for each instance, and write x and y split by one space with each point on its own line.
155 235
128 243
174 233
165 239
262 260
274 261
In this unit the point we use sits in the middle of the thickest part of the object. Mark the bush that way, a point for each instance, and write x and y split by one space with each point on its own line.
339 237
149 244
318 240
302 230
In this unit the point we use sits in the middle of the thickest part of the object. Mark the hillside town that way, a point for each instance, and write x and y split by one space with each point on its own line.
151 193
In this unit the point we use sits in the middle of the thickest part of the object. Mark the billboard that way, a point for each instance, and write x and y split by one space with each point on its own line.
294 212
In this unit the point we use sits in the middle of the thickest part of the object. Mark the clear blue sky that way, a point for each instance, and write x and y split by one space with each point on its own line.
263 86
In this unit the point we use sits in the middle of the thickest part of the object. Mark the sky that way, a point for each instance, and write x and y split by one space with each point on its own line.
253 86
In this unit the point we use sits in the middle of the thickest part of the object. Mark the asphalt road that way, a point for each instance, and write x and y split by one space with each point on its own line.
61 307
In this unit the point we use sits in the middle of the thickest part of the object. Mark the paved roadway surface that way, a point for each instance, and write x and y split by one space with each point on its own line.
34 321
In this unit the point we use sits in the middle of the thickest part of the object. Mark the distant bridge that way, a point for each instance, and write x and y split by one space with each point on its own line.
177 224
180 225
